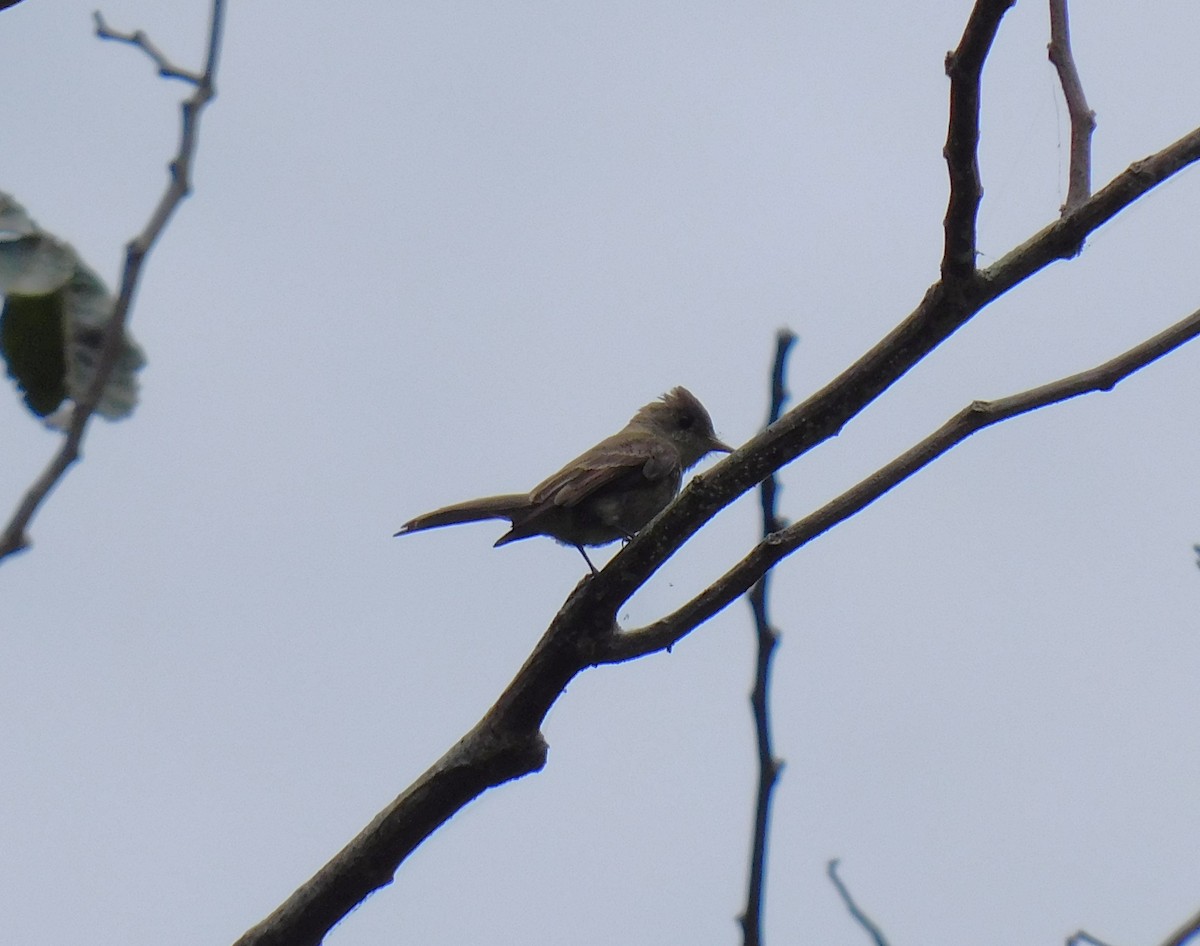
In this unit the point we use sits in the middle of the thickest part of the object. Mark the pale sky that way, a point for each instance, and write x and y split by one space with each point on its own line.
437 249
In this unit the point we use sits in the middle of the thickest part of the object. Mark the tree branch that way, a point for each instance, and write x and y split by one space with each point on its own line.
822 415
14 537
860 917
1080 937
1083 119
769 767
138 38
484 758
1185 933
669 630
507 742
964 66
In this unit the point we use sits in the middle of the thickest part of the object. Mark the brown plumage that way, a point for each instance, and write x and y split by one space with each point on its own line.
608 492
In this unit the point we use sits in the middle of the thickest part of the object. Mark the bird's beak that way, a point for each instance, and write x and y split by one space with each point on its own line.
719 446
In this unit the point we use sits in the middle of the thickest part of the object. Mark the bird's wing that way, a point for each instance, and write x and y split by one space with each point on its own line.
622 455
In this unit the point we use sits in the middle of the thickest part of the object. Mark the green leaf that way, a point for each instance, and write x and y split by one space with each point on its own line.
33 346
55 314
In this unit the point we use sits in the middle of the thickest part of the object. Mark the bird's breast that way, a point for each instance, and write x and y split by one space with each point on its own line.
629 509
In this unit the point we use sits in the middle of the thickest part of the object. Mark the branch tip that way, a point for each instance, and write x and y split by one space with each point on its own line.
855 911
140 39
1083 119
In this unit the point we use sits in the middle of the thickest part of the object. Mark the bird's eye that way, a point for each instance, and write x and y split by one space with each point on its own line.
686 421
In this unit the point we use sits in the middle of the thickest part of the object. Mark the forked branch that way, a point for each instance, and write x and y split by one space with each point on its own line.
507 742
970 420
138 38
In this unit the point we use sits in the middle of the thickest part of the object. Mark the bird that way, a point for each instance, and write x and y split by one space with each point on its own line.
606 493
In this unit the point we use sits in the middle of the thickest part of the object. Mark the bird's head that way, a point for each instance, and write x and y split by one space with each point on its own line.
679 416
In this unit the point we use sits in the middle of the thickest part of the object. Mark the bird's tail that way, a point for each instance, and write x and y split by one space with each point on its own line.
473 510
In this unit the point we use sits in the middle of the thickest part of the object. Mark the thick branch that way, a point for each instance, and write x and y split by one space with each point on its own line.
769 767
971 419
1185 933
1083 119
482 759
14 537
964 66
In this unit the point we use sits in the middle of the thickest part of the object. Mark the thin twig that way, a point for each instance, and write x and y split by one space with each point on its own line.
769 767
138 38
1083 119
971 419
14 537
964 66
855 911
1080 936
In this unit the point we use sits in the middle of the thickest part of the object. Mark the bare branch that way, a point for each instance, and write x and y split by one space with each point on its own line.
964 66
138 38
507 742
971 419
14 537
1075 939
584 633
941 313
1083 119
855 911
1185 933
769 767
482 759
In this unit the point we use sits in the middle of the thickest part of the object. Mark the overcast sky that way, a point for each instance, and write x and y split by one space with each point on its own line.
437 249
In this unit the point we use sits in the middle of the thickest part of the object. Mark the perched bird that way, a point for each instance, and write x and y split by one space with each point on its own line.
608 492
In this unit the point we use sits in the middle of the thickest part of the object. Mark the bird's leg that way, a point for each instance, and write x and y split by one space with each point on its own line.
586 559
